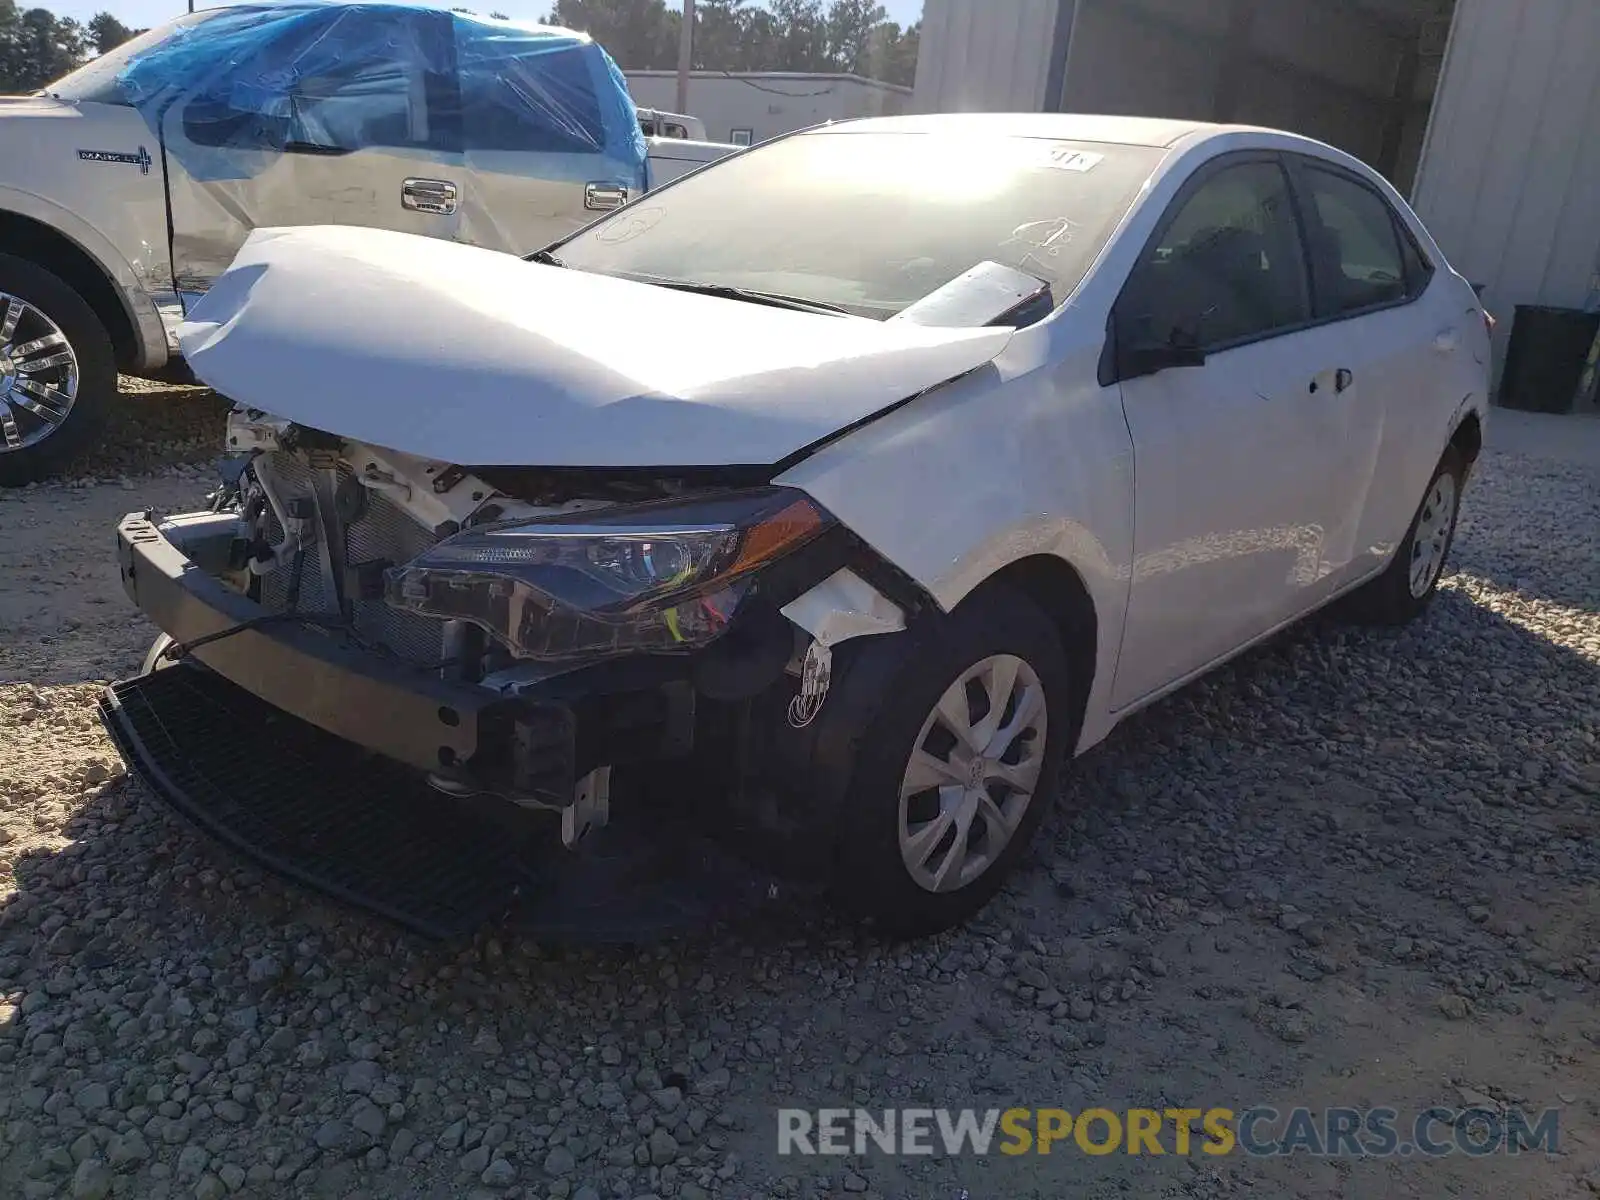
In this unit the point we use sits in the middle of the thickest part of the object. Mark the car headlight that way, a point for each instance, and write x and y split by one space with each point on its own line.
634 578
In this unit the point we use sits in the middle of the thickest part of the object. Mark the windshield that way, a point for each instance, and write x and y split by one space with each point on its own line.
873 222
96 80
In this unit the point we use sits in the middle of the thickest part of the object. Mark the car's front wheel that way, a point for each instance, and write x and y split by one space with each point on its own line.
57 372
957 769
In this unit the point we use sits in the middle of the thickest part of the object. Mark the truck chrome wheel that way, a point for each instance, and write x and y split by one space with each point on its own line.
38 375
155 658
973 772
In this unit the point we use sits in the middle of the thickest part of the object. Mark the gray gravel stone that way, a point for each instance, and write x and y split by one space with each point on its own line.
400 1147
663 1147
127 1148
368 1118
560 1162
362 1077
332 1135
499 1173
91 1181
192 1163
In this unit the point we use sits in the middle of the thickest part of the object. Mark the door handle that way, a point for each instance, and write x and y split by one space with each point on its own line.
603 197
1447 340
1342 379
435 196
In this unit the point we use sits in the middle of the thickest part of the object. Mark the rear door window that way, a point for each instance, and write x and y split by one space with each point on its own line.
539 102
1357 254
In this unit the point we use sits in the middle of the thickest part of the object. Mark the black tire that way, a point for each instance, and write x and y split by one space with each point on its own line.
1390 599
873 881
97 374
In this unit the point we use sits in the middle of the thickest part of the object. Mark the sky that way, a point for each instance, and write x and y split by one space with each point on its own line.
143 13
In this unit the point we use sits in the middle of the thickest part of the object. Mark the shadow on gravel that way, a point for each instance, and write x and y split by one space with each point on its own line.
1463 713
153 426
1511 535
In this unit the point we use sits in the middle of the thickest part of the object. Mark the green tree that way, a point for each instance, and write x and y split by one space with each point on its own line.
107 33
850 26
750 35
891 54
802 36
720 28
639 34
36 46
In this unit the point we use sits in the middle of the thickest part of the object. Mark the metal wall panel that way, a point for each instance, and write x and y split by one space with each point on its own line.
1123 63
1509 182
985 55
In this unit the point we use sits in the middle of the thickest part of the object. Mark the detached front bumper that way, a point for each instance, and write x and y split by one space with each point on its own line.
387 707
264 750
531 746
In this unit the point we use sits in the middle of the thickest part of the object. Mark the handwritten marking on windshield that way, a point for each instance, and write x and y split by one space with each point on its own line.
1045 241
631 225
1049 236
1061 158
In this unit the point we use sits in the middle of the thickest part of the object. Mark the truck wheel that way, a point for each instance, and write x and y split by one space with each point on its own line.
58 373
155 658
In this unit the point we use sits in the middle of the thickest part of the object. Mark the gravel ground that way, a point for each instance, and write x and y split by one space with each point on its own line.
1351 868
156 426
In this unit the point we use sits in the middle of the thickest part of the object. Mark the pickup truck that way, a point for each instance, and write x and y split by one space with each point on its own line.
657 123
129 185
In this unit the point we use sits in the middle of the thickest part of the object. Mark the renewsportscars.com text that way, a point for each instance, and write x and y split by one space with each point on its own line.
1260 1131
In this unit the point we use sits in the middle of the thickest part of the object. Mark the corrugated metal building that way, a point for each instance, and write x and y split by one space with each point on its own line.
1481 110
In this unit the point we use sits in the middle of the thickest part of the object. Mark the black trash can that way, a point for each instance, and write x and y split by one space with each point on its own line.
1545 359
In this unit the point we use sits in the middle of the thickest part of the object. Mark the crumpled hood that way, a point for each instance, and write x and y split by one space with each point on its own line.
474 357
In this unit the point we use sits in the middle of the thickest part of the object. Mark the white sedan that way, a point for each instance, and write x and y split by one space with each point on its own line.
888 464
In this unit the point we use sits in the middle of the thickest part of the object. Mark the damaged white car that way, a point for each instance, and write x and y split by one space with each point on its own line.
826 500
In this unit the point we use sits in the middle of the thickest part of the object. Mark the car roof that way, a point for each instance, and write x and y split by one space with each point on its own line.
1070 127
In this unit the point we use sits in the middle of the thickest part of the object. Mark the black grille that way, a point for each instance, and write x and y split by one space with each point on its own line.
312 806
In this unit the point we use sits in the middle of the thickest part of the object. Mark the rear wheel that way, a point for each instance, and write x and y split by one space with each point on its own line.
57 372
957 769
1408 584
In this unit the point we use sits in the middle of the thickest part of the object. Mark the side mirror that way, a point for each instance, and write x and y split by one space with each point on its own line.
1140 342
1149 358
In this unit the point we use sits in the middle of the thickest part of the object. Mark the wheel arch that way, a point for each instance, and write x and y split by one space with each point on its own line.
114 294
1058 589
1468 437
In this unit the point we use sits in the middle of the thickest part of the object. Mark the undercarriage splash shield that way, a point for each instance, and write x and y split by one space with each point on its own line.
310 806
